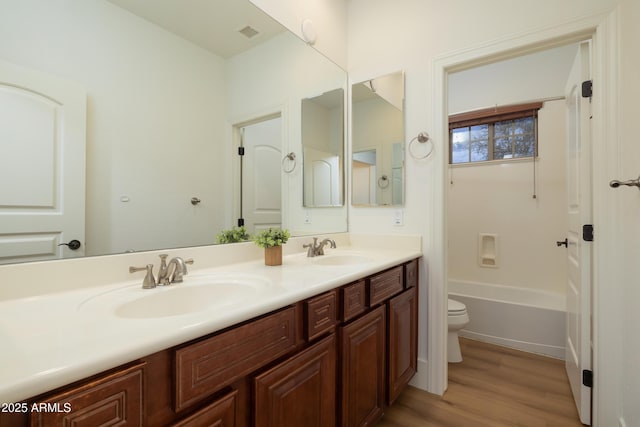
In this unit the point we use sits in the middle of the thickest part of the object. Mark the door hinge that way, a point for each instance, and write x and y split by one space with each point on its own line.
587 88
240 222
587 232
240 151
587 378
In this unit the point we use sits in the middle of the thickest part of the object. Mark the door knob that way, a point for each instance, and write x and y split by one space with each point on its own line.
73 244
564 243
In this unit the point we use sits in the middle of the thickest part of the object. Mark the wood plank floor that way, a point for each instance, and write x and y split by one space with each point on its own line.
493 386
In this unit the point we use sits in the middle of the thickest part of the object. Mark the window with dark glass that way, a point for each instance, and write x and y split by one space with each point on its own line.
494 134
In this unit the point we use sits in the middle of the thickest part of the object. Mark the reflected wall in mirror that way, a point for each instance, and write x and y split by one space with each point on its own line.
323 148
162 96
377 162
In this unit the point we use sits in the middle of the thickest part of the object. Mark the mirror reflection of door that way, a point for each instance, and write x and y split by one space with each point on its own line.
42 166
364 177
261 195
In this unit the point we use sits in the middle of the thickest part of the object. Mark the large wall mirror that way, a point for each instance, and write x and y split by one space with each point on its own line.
323 149
377 163
167 85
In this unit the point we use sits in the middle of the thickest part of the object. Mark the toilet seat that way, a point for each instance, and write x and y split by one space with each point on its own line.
456 308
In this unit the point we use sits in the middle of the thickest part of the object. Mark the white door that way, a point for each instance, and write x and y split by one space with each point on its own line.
42 165
261 175
321 178
579 251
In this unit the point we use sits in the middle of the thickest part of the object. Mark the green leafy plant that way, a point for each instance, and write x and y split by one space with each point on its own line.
233 235
271 237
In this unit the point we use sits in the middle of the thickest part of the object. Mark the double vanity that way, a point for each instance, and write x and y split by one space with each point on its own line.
325 340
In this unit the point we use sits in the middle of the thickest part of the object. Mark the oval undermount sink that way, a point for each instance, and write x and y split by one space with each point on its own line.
192 296
341 259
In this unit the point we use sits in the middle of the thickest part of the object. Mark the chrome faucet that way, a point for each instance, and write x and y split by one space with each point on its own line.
316 249
171 272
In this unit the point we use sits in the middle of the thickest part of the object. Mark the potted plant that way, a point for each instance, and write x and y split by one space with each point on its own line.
272 240
233 235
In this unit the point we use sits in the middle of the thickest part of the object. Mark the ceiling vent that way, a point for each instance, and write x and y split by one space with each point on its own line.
249 32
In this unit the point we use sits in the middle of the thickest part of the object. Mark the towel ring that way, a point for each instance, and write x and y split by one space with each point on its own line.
383 181
422 138
292 158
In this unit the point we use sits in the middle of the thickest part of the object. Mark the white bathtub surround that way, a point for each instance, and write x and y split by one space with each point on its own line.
58 322
521 318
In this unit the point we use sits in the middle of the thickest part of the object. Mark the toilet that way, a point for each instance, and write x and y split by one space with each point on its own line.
457 319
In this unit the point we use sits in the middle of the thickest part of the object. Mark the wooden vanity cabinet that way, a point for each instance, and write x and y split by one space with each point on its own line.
335 359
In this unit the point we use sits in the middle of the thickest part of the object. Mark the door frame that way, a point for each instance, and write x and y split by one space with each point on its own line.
236 142
602 28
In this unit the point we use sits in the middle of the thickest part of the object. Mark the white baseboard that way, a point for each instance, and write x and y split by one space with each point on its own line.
421 378
546 350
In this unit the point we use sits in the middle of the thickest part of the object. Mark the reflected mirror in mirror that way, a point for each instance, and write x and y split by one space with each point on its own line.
323 148
156 88
377 162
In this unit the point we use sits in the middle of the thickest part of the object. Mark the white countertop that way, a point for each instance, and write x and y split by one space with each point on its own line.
52 339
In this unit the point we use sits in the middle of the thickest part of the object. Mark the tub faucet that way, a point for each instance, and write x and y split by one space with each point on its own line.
316 249
172 271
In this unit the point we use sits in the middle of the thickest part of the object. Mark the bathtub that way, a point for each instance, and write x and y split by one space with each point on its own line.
519 318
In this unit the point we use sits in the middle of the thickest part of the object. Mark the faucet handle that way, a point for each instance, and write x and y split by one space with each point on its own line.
149 282
188 261
311 252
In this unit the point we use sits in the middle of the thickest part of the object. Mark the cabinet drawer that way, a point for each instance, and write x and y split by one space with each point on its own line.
222 413
385 285
411 274
115 399
320 315
353 301
205 367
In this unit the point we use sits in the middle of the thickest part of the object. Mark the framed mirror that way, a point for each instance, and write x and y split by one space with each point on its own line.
377 161
164 85
323 149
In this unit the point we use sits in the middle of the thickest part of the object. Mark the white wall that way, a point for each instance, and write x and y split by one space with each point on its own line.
412 35
329 18
497 198
155 107
288 72
537 76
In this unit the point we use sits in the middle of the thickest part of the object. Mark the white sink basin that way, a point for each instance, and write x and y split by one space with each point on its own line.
341 259
192 296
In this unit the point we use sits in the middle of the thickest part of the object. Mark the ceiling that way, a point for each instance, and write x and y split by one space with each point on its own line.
211 24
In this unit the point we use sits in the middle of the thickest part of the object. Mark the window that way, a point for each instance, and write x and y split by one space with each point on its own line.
494 134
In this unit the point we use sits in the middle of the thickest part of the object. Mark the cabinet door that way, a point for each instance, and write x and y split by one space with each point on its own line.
300 391
403 342
114 399
362 369
221 413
